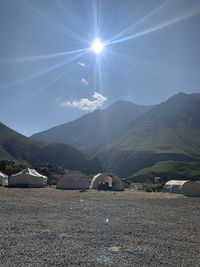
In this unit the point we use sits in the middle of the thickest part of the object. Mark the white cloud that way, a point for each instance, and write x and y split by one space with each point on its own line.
87 104
83 64
84 81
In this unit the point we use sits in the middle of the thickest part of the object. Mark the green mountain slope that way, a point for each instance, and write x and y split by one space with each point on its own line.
169 131
93 131
14 146
171 170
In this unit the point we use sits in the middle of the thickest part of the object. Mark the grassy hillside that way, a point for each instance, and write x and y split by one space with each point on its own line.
172 170
127 139
95 130
169 131
14 146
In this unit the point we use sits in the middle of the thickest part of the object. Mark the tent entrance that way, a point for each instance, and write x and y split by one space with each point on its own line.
106 184
21 185
109 182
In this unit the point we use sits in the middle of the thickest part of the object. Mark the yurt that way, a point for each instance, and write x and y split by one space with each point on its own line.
112 181
28 178
185 187
73 180
3 179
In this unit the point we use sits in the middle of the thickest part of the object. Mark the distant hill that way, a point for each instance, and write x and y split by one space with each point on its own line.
14 146
196 94
128 139
170 170
95 130
169 131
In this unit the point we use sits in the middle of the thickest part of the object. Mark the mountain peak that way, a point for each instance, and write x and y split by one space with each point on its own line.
96 128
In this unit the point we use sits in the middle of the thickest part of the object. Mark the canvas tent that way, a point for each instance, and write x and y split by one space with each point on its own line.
3 179
185 187
28 178
73 180
114 182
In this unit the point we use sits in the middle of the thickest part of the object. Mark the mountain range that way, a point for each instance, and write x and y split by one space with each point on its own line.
16 147
95 130
128 139
169 131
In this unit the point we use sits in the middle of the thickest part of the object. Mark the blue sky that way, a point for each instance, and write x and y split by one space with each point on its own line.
49 75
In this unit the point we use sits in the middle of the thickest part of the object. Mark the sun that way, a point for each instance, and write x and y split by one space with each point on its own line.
97 46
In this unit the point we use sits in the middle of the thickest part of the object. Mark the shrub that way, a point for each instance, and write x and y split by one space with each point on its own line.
147 188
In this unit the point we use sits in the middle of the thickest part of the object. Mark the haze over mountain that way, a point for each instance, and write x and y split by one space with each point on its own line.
128 138
94 130
169 131
14 146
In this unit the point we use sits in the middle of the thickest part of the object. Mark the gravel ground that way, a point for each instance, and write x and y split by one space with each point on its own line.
49 227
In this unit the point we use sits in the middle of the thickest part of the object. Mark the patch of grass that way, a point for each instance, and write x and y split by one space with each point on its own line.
188 170
147 188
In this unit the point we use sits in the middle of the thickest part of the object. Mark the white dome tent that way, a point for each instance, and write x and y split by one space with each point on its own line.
3 179
28 178
113 181
185 187
73 180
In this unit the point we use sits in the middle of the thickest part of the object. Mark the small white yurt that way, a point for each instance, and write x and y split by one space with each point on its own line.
3 179
185 187
28 178
113 181
73 180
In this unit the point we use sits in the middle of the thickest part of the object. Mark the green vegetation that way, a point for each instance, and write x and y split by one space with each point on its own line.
147 188
92 132
10 167
126 139
172 170
168 132
18 148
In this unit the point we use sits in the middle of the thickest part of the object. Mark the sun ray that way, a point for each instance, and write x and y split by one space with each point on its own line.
45 71
43 57
43 89
138 22
61 26
165 24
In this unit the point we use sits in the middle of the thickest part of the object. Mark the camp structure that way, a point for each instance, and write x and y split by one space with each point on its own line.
112 181
27 178
185 187
73 180
3 179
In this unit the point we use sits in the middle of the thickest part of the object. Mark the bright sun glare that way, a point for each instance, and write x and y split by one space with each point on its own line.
97 46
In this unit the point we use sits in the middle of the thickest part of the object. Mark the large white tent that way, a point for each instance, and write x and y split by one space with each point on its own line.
185 187
113 181
3 179
28 178
73 180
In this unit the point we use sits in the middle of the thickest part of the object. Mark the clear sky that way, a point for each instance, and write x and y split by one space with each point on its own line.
50 75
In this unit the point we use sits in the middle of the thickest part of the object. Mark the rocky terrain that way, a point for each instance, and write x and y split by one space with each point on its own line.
49 227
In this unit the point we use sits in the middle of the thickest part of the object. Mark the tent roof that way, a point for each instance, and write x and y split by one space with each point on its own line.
79 174
3 175
105 174
177 182
31 172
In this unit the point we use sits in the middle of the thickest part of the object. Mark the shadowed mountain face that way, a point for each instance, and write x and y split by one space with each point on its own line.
94 130
14 146
169 131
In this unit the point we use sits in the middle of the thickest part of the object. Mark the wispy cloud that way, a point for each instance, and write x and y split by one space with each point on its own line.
84 65
87 104
84 81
